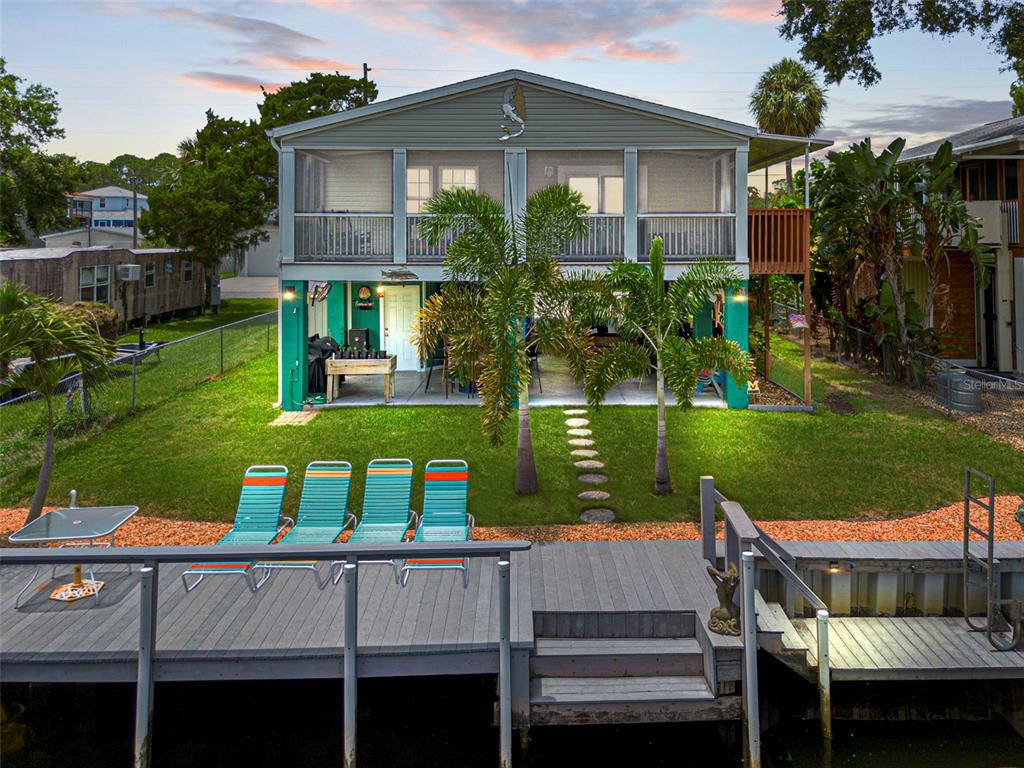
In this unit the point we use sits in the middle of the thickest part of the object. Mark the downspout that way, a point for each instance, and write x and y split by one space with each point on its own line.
280 307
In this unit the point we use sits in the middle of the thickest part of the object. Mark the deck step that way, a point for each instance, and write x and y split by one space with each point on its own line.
616 657
614 624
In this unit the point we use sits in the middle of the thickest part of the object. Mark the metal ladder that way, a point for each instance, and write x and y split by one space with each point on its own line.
988 566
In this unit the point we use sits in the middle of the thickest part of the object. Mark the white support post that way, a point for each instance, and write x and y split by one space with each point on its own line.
144 679
807 175
751 701
398 196
741 205
629 192
707 519
286 216
824 682
515 183
505 662
351 578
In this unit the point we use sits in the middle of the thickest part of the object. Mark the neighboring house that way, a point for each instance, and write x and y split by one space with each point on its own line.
168 282
353 185
987 324
87 237
105 207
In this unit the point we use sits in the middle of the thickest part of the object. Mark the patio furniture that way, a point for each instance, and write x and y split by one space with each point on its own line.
322 517
715 378
92 526
361 367
258 520
444 516
386 515
443 360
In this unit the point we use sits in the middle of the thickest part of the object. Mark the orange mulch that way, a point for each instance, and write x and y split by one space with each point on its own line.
937 525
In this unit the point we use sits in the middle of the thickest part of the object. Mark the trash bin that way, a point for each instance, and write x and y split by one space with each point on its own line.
958 391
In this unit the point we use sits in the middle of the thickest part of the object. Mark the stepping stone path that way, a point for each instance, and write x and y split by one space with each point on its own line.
597 515
585 458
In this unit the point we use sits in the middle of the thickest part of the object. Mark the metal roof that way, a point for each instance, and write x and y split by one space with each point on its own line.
973 139
108 192
32 254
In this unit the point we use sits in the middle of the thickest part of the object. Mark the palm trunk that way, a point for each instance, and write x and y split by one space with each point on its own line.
662 482
789 176
526 469
43 483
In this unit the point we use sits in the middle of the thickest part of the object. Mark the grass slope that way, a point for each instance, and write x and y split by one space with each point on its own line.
185 458
231 311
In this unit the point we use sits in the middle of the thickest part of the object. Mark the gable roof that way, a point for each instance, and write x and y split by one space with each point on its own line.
108 192
531 78
989 134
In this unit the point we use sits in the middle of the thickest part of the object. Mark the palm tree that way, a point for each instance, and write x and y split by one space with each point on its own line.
650 320
59 344
505 295
788 100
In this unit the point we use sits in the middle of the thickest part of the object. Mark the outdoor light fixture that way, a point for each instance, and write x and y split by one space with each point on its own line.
288 294
740 295
833 566
380 291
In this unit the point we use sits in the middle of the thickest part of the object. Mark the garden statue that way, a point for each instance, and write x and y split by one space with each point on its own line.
725 619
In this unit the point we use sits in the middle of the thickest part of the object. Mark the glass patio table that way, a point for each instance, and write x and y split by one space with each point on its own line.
92 526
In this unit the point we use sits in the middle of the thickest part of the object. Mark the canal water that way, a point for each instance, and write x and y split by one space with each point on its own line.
425 722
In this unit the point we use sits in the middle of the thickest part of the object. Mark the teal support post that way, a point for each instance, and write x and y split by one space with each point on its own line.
336 311
702 321
293 344
736 329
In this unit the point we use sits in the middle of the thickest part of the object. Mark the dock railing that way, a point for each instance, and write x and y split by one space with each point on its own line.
151 558
744 540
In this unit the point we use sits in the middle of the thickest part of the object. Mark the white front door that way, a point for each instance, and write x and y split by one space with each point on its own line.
400 305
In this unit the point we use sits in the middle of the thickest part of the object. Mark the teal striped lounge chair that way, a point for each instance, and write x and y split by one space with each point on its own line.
323 514
258 520
445 516
386 515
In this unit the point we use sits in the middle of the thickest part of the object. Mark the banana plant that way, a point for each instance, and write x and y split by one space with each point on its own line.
650 320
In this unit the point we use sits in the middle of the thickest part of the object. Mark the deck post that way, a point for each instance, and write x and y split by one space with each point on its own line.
505 662
349 691
144 683
751 705
707 518
824 685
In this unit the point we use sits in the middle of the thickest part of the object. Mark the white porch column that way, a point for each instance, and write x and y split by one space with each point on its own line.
398 194
629 203
286 207
515 183
741 205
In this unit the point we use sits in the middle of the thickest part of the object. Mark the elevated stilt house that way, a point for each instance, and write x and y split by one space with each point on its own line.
352 187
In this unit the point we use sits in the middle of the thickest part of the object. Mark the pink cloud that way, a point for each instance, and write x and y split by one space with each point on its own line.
221 81
748 11
279 61
646 50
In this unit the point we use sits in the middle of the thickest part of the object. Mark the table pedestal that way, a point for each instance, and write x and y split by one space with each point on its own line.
77 589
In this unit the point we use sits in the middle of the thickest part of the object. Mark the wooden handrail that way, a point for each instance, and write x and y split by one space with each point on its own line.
779 240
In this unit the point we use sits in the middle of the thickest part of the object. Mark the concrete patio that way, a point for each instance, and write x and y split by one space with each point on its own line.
410 388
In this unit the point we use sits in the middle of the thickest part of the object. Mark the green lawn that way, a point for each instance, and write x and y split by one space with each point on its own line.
231 311
185 457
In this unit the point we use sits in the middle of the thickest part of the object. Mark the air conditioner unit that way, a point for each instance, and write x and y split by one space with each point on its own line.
129 273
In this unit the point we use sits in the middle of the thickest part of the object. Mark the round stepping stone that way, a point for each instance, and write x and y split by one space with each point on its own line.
575 412
584 453
576 422
592 478
580 432
589 464
582 441
598 515
593 495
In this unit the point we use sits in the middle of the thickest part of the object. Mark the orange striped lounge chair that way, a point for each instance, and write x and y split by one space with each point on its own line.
445 516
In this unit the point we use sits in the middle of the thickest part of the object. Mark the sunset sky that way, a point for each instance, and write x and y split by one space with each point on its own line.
138 76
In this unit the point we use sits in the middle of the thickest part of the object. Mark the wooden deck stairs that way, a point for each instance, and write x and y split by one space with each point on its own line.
621 667
780 637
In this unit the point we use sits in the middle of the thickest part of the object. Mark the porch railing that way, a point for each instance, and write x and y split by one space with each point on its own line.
1011 209
688 235
779 240
416 246
604 241
342 236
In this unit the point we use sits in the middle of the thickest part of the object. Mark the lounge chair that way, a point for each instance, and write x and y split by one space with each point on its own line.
386 515
258 520
323 514
444 517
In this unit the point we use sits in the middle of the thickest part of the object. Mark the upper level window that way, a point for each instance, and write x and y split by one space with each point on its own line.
588 187
458 178
417 189
186 269
150 274
94 283
103 202
601 194
612 195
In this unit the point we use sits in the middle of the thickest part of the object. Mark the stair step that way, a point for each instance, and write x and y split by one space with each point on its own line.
613 624
611 690
616 657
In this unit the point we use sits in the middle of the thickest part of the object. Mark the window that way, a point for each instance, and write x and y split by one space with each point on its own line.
103 202
612 194
94 283
150 274
417 189
169 266
588 187
186 270
458 178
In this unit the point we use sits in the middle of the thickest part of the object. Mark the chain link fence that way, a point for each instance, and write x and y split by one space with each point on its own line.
139 379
